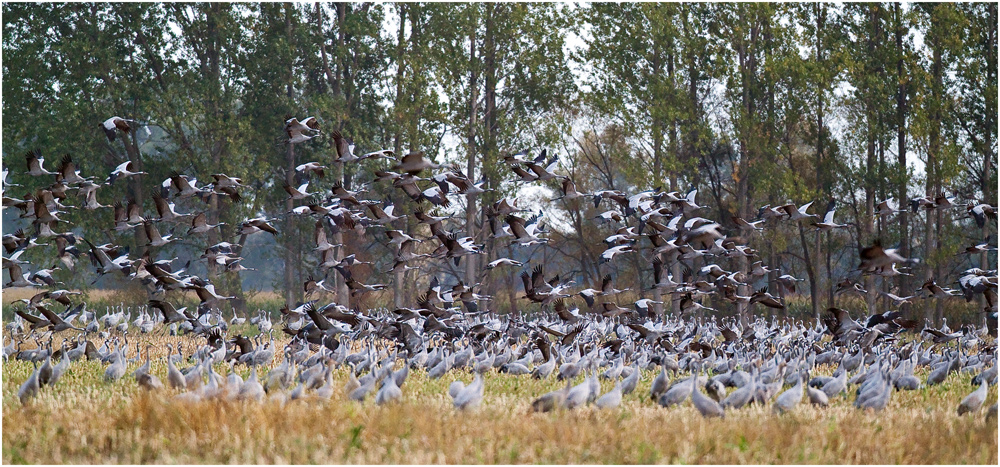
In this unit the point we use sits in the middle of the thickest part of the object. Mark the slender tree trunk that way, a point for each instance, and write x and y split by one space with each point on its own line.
988 188
398 277
511 289
901 194
471 268
489 152
340 90
657 133
290 286
341 38
821 183
870 166
989 171
240 302
131 143
933 173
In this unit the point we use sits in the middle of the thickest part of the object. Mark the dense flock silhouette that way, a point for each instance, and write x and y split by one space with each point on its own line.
576 334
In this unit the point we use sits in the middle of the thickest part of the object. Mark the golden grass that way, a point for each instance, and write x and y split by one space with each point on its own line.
12 294
84 420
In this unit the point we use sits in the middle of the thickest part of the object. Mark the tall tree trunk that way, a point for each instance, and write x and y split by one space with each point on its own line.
901 194
398 277
341 89
657 133
821 185
871 122
988 188
131 143
933 161
290 286
489 152
693 118
471 268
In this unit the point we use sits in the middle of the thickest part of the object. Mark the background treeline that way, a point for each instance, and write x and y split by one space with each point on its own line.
752 104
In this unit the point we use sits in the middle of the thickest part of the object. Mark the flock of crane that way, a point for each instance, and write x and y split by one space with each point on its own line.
719 364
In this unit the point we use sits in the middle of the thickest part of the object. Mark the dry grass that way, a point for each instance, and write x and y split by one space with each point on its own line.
12 294
84 420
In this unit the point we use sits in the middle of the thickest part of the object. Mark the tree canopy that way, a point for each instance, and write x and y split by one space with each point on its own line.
751 104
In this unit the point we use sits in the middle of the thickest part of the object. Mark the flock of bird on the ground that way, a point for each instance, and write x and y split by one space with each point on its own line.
719 364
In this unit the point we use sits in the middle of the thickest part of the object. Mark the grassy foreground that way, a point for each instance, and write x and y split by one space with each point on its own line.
85 420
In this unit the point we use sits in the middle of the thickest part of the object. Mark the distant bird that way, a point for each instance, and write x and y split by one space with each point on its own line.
610 253
200 224
60 368
750 226
29 388
611 399
836 385
643 306
125 169
257 224
389 392
251 388
677 393
888 207
524 234
875 258
896 299
299 192
690 305
385 214
828 224
18 278
816 397
974 400
165 209
569 192
980 248
936 291
36 164
414 163
982 211
921 201
790 398
300 132
706 406
470 396
149 382
153 235
552 400
68 172
740 397
116 370
799 213
501 262
311 167
115 123
185 187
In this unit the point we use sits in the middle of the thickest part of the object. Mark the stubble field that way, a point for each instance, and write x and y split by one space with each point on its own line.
86 420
